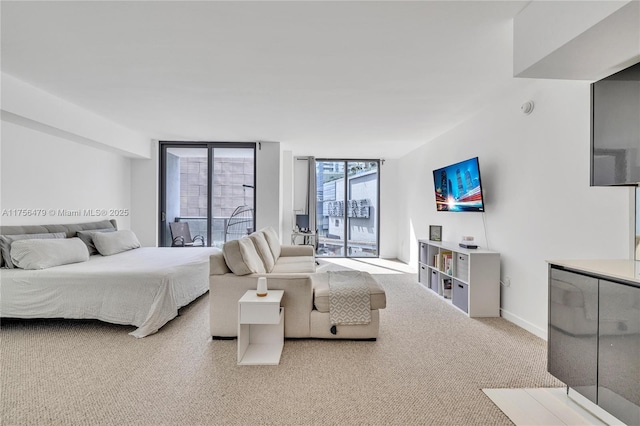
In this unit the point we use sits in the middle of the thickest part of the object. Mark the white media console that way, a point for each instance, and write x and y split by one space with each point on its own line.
469 278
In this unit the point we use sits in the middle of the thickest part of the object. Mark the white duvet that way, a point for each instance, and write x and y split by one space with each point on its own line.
144 287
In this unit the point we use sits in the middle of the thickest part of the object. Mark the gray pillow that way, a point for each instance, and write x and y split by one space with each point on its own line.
45 253
109 243
87 238
6 242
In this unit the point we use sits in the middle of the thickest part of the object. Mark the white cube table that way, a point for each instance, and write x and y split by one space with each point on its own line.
260 328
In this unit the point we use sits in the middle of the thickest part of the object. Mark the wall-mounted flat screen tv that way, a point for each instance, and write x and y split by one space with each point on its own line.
458 187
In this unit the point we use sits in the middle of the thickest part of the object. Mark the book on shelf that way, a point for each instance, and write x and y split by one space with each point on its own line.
445 262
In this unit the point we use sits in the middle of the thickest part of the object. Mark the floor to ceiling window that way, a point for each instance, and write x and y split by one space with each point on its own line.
347 199
210 186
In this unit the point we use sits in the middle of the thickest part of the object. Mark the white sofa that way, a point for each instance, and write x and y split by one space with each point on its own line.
237 267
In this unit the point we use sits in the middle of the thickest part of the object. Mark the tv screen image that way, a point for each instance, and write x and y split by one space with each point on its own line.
458 187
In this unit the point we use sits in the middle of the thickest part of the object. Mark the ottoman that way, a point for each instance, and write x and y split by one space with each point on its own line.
320 323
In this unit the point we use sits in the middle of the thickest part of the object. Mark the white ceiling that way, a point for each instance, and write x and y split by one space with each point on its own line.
331 79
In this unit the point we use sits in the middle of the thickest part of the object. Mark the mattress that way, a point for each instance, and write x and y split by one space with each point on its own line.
144 287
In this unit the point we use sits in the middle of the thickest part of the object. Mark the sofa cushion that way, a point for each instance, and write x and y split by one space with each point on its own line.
242 258
295 264
274 242
262 247
321 292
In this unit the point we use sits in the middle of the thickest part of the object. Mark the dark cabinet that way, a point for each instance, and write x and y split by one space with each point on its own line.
594 340
615 129
619 351
572 354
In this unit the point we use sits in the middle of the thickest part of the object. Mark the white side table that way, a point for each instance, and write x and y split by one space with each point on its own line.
260 328
308 238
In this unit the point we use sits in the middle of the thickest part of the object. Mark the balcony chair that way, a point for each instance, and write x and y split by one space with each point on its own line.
181 236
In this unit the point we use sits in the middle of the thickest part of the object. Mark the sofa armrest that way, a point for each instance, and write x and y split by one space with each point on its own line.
225 291
217 264
304 250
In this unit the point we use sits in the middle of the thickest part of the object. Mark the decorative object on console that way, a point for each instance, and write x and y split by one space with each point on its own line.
435 233
468 242
262 287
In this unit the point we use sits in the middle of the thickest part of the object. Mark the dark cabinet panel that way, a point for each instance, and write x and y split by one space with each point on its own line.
619 351
572 354
615 129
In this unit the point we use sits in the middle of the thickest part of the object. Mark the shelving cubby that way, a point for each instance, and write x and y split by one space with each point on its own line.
473 274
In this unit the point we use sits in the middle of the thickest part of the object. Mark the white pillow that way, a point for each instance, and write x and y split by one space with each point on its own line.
109 243
45 253
241 257
87 238
263 249
274 241
7 240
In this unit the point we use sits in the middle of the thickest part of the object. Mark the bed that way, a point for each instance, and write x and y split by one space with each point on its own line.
143 287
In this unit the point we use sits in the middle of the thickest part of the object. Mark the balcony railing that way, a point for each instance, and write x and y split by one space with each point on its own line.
198 226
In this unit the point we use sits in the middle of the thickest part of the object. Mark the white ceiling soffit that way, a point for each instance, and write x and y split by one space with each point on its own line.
350 79
577 40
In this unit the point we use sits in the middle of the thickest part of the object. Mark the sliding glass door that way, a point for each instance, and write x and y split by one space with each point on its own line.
347 208
211 187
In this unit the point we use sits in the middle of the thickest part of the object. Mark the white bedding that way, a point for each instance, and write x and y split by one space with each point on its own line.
144 287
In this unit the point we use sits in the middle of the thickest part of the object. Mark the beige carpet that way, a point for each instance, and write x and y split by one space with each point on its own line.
427 367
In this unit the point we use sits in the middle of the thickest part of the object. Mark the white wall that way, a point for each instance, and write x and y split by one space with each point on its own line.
268 199
286 179
48 173
389 196
535 176
145 184
59 156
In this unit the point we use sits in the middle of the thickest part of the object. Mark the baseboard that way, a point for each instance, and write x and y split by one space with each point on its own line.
522 323
593 408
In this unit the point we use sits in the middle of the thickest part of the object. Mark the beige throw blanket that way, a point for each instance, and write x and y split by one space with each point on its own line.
349 299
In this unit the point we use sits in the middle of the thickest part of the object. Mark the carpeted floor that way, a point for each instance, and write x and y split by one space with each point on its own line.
428 366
